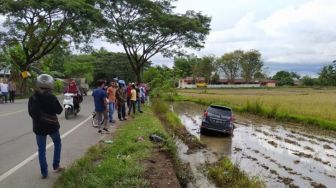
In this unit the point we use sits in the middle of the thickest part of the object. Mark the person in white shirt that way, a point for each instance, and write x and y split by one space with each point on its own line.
4 90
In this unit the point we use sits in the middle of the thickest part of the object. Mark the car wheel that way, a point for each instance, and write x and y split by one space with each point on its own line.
203 131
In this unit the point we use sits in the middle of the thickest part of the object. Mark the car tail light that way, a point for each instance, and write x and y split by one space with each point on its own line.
232 118
206 114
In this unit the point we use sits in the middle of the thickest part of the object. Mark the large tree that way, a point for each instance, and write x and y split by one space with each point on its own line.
230 63
148 27
204 67
37 27
251 64
327 76
183 65
284 78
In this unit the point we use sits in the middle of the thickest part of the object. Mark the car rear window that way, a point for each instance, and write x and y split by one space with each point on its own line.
220 111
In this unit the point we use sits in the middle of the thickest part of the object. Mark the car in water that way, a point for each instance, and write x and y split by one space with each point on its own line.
218 119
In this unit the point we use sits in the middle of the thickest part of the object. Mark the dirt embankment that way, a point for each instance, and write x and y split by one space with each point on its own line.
160 170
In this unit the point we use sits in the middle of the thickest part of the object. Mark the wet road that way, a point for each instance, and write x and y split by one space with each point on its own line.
282 155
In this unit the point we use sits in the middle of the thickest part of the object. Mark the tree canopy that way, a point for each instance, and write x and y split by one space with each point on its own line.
184 65
148 27
327 76
230 63
35 28
284 78
251 64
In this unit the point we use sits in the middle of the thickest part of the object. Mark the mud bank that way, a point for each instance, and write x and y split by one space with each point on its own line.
282 155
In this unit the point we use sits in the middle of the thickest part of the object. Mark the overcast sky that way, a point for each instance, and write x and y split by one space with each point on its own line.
294 35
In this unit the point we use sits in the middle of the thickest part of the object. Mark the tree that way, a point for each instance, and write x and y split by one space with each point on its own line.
295 75
230 63
148 27
204 67
327 76
109 65
53 63
184 65
80 66
36 27
251 64
215 78
284 78
308 81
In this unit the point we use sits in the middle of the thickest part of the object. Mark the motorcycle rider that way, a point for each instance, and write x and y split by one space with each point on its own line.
72 88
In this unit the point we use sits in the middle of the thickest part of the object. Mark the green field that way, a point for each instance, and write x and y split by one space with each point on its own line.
303 103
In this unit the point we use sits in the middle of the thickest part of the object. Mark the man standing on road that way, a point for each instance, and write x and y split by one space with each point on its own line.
100 101
43 107
12 90
111 92
4 90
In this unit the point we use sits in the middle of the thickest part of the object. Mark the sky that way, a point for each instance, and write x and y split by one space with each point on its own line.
292 35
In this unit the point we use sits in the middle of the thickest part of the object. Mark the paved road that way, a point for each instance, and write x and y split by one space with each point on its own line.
18 162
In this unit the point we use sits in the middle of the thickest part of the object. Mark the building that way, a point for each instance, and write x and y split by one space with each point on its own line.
4 73
269 83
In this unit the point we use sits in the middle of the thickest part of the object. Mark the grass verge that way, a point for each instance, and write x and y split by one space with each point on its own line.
119 164
225 174
257 108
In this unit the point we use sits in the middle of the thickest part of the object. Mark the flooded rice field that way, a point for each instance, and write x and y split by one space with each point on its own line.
281 155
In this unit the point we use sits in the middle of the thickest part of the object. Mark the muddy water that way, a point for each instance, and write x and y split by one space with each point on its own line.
282 155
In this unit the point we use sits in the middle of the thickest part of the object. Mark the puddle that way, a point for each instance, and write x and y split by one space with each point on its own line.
281 155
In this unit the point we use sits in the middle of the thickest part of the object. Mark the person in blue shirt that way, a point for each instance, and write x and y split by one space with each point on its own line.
100 101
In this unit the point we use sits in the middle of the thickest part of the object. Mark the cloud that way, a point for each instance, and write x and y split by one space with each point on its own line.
299 33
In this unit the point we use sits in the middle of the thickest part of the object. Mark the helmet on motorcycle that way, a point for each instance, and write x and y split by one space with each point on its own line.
45 82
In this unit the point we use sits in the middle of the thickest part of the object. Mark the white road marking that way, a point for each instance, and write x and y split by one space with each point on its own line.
30 158
11 113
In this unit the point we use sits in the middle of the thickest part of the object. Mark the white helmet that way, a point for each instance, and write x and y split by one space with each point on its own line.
45 82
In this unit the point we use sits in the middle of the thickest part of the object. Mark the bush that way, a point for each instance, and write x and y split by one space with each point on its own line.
59 86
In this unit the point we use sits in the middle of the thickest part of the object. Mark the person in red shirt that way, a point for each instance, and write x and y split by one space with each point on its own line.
72 88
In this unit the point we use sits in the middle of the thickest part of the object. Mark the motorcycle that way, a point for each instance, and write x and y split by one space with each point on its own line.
69 106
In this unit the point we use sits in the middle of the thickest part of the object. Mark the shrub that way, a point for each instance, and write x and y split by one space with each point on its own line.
59 86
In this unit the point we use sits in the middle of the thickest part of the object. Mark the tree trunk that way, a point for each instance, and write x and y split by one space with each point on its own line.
138 74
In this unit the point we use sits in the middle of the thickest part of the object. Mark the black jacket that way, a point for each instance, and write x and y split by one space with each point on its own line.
43 103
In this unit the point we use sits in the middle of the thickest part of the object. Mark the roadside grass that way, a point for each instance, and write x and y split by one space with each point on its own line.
305 106
226 174
118 164
174 125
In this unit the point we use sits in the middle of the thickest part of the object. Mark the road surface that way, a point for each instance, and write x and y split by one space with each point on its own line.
18 150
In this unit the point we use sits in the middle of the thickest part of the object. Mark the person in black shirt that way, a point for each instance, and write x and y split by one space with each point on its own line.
43 107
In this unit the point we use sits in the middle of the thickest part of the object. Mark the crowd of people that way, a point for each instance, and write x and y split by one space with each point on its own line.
113 96
7 91
43 108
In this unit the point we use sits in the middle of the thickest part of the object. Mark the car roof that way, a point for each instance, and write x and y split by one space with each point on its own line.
220 107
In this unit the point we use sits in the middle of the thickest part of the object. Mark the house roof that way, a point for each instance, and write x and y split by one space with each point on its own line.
269 81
